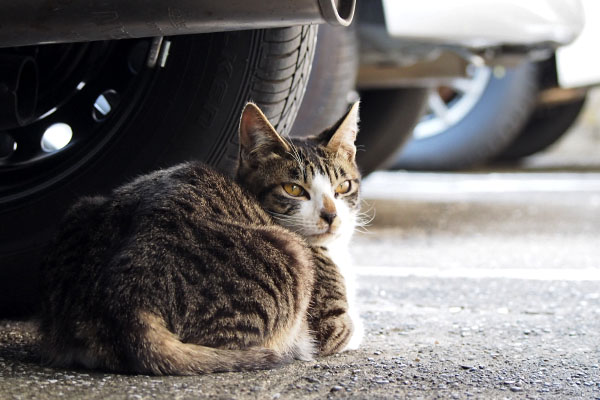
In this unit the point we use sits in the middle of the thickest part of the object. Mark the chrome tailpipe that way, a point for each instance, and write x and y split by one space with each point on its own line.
29 22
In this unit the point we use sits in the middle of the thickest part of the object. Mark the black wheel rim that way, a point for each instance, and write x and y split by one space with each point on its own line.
91 89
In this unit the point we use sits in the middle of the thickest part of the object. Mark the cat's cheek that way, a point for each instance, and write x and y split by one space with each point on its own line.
309 217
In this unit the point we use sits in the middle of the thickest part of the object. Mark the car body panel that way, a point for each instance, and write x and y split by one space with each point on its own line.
480 24
578 64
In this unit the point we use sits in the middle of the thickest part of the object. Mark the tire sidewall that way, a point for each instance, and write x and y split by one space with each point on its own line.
332 79
388 116
487 128
547 125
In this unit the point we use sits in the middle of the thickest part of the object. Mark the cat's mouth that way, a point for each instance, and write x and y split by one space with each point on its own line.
320 238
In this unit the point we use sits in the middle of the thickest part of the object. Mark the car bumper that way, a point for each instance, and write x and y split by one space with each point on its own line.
478 24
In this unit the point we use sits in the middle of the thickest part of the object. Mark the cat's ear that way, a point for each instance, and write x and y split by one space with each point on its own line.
257 135
340 139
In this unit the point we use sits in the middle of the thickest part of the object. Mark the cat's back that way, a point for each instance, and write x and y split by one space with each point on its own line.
179 219
172 203
191 191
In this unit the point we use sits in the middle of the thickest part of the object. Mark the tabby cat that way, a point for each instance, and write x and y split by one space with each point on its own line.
184 271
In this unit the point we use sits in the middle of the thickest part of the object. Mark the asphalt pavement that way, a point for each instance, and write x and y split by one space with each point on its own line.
473 285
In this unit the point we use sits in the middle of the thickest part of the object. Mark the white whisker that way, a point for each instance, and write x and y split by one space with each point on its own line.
364 218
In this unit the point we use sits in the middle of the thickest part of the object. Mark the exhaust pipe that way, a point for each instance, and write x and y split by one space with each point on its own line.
29 22
18 90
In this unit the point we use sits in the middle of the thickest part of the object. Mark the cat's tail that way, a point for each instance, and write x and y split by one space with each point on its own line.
158 351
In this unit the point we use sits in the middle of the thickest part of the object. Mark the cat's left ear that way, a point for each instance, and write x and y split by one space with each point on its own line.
344 134
257 135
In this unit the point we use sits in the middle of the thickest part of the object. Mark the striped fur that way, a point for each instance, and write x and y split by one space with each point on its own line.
171 257
328 314
184 271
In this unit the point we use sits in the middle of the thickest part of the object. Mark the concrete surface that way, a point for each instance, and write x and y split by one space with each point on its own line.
482 285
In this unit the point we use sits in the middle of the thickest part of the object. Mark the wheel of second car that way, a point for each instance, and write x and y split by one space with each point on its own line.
472 120
387 118
546 125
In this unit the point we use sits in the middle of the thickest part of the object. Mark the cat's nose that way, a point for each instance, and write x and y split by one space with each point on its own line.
328 216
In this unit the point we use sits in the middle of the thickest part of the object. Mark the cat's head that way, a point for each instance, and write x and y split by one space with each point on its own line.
311 185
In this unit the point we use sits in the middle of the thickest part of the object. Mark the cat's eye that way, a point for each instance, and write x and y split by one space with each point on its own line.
343 187
293 190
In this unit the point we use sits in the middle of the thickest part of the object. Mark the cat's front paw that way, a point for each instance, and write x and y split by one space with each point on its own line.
335 334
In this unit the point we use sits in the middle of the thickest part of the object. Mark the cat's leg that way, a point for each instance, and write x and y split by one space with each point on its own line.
334 334
329 314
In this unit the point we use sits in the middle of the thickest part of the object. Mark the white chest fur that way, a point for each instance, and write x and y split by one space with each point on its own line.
340 255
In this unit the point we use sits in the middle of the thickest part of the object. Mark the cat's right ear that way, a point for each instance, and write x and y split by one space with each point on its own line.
258 138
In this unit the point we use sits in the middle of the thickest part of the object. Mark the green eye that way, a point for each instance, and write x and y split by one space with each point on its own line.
293 190
343 187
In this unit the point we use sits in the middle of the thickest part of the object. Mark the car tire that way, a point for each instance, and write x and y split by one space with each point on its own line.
387 118
546 125
188 109
332 81
490 125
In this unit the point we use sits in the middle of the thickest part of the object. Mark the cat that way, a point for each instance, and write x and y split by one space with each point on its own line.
184 271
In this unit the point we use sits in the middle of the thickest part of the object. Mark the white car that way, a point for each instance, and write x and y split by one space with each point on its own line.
505 78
